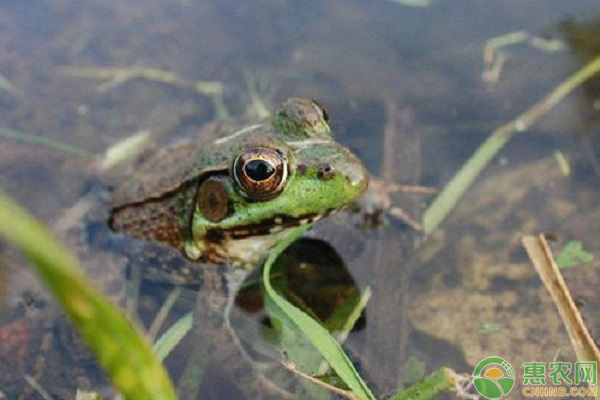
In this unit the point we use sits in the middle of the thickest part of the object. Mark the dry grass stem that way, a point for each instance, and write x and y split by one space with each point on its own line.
115 77
162 314
340 392
546 267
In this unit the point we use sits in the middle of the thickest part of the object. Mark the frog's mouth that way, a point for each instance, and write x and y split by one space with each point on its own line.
268 226
247 245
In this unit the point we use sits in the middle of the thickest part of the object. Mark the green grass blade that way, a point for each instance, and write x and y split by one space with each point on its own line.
458 185
318 336
345 318
120 348
433 384
173 336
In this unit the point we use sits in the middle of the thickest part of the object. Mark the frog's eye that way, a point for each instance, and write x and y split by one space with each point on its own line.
260 172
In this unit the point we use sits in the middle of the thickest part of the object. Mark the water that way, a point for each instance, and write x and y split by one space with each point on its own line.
375 65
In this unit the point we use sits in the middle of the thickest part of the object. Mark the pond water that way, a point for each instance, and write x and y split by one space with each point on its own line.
408 89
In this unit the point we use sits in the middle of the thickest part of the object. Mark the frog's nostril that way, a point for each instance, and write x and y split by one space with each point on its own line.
326 172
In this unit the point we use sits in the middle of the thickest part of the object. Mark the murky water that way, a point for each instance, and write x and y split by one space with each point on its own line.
405 90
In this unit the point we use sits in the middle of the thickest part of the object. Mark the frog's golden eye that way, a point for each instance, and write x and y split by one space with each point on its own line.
260 172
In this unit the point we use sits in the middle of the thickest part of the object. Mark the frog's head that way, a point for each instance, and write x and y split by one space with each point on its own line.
280 175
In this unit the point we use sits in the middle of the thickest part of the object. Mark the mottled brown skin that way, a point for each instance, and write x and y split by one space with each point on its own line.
153 220
154 201
158 218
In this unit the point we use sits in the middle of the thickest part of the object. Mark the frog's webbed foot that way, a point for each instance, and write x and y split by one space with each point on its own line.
377 203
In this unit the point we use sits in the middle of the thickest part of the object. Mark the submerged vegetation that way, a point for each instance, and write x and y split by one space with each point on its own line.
117 343
129 361
121 348
314 349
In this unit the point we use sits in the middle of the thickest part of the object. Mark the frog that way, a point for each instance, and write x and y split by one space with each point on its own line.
232 200
205 211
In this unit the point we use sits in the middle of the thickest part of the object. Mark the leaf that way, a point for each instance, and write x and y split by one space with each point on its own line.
447 199
318 336
414 369
171 338
118 345
573 254
433 384
344 318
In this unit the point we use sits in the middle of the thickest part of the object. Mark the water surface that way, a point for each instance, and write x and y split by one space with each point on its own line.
379 67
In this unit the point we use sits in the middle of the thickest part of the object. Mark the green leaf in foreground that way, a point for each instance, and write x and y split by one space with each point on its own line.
318 336
573 254
120 348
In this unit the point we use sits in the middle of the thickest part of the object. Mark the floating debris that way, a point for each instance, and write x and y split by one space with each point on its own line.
563 162
124 150
573 254
115 77
494 57
414 3
44 141
7 86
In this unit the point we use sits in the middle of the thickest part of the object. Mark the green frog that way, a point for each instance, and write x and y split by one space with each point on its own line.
230 200
205 211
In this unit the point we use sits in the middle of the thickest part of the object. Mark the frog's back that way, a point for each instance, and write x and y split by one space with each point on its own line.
166 170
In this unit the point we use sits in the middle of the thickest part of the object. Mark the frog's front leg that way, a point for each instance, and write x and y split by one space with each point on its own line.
222 347
377 203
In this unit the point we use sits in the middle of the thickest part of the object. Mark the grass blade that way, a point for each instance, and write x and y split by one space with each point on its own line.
120 348
318 336
44 141
458 185
433 384
545 265
173 336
